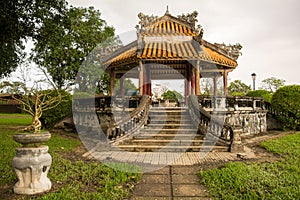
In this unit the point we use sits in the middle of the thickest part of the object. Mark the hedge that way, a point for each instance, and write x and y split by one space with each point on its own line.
286 102
50 117
261 93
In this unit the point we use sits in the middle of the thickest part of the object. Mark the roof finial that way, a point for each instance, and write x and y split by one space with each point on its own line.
167 12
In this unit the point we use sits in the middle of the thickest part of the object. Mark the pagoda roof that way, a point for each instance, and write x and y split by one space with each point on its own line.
170 38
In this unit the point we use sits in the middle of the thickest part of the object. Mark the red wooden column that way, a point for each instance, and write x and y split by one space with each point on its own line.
197 79
186 85
148 79
145 86
112 82
189 78
225 82
215 79
121 91
141 78
193 79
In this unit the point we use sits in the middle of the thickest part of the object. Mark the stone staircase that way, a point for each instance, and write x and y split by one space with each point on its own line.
169 130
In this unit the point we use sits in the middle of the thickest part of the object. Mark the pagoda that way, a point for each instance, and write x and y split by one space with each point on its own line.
168 48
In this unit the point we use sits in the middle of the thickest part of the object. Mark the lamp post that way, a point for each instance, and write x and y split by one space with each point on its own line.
253 75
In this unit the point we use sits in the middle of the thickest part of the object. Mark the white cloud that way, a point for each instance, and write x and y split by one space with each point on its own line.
269 30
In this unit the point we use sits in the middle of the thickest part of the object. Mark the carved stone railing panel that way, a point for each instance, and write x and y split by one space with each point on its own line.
206 122
130 123
224 117
232 103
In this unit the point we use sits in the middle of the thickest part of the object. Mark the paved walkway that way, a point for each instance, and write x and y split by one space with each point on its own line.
175 175
171 183
169 175
166 158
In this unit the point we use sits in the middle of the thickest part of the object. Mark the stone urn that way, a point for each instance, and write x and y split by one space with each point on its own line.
32 163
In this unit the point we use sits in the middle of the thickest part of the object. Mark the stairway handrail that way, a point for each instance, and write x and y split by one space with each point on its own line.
202 118
130 123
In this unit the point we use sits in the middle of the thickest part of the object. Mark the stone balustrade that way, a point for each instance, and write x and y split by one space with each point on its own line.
228 118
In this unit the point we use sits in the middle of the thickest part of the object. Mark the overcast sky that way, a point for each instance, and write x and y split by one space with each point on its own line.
268 30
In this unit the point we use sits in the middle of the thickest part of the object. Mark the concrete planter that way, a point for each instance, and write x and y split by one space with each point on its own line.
31 164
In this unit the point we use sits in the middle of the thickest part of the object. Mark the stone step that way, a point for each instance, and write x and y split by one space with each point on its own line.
155 148
163 142
170 121
169 136
169 126
169 108
170 130
159 113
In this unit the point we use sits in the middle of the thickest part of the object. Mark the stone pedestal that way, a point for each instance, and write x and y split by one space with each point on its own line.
236 145
31 166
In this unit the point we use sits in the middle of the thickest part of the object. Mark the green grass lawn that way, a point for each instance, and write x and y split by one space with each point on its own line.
277 180
70 179
15 119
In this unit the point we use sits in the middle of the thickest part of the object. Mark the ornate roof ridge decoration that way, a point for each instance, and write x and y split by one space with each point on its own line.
233 51
173 38
145 20
189 20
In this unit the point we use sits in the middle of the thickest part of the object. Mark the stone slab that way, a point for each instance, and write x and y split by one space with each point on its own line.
189 190
185 179
152 190
151 198
155 178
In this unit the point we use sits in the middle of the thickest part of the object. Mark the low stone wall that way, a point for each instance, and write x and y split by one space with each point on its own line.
251 122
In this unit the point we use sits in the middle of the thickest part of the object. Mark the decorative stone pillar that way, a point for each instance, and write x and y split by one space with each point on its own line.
31 164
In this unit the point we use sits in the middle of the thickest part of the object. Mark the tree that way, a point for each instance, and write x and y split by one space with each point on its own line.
207 86
35 101
238 88
64 41
128 86
286 102
272 84
19 21
172 95
261 93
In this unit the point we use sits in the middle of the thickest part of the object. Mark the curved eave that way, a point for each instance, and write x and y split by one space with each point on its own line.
157 51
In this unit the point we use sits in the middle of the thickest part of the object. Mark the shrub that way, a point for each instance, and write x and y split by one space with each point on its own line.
261 93
172 95
286 102
50 117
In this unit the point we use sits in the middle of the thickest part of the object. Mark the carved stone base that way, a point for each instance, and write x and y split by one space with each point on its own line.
31 166
236 145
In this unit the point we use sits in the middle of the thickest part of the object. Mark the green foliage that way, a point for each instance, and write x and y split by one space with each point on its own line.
89 181
56 114
287 146
278 180
172 95
16 119
261 93
128 86
238 88
65 39
21 20
70 179
286 102
272 84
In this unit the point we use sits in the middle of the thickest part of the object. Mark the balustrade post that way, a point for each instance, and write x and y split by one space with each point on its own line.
236 141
